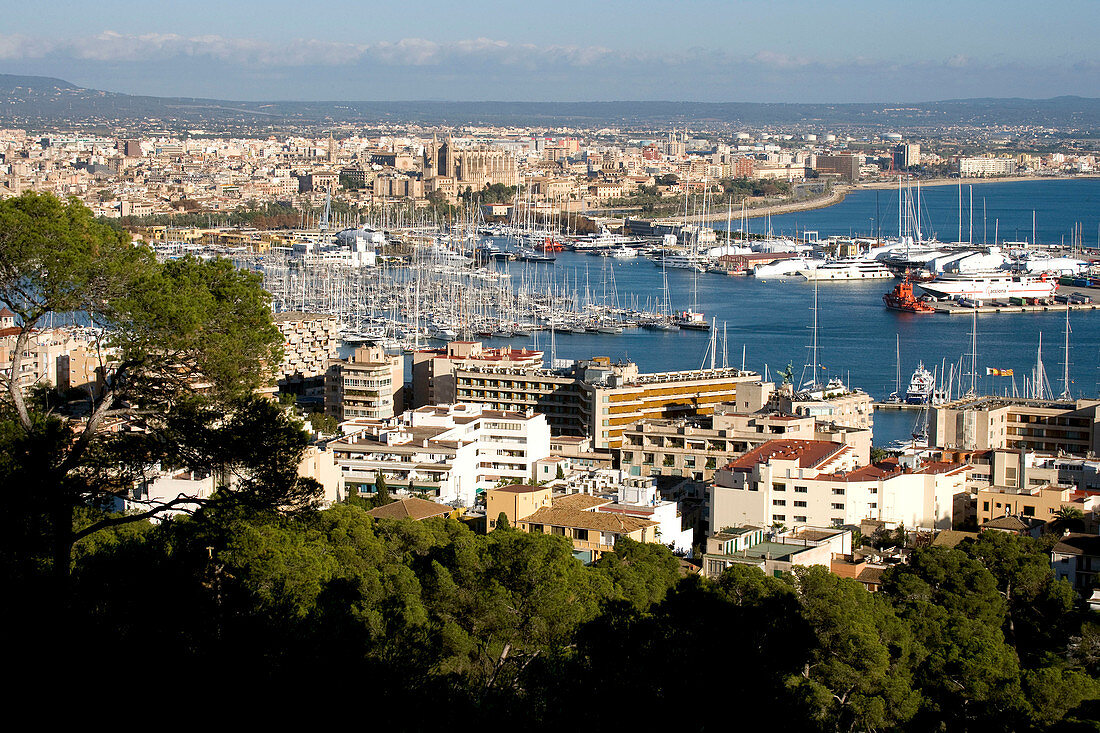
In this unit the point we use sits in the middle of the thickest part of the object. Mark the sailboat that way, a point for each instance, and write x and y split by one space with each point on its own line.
692 319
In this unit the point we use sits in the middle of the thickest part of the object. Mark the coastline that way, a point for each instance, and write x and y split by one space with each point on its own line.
970 181
837 195
840 191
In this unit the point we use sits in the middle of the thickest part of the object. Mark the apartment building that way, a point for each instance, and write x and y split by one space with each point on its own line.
311 341
434 370
619 396
986 166
370 384
834 402
44 352
798 482
454 452
845 165
990 422
774 553
555 393
696 447
1040 502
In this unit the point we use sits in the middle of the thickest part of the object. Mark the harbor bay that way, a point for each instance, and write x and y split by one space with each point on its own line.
769 322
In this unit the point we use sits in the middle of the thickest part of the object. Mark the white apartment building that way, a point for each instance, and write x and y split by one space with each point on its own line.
971 167
43 350
455 452
814 482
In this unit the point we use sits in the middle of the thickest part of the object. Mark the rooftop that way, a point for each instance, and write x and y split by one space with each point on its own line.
579 501
520 489
410 508
580 519
1079 544
808 453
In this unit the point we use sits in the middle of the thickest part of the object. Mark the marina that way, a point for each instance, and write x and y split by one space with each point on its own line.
572 306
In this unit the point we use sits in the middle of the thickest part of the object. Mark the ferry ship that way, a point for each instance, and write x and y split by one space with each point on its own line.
849 270
980 286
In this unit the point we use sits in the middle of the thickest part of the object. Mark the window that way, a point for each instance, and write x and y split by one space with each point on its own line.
800 503
580 534
799 518
779 517
873 505
838 492
560 531
800 489
779 487
779 502
536 528
838 506
1029 511
985 506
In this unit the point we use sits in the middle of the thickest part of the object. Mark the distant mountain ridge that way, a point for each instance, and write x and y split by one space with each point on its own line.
38 100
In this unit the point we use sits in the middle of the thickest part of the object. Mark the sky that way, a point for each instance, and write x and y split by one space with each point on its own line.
568 50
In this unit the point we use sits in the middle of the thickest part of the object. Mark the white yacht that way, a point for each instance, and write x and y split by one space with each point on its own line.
622 252
697 262
848 270
790 267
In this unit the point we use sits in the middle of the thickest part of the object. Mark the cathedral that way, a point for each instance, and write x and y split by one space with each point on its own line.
451 169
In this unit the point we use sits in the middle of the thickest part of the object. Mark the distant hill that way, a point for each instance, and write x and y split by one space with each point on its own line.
40 101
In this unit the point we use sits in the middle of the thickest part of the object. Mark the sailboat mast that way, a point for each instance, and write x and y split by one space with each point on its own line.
1065 363
814 382
974 353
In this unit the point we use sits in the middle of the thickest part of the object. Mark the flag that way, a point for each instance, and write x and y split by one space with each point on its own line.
990 371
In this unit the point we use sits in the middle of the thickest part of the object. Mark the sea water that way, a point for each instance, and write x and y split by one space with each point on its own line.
770 323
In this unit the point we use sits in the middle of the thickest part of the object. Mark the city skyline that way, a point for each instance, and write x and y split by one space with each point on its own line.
698 51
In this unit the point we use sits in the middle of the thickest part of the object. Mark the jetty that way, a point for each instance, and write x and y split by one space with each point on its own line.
1003 306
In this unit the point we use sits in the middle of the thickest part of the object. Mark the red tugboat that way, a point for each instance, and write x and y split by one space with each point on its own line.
901 298
549 245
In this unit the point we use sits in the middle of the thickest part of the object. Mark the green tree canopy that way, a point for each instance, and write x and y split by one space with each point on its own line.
181 347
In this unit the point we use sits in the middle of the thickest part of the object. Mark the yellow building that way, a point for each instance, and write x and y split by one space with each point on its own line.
1040 502
621 397
583 518
515 501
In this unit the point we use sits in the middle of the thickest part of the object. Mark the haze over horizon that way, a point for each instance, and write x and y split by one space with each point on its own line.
701 50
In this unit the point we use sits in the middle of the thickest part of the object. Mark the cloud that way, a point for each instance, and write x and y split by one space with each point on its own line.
111 46
168 63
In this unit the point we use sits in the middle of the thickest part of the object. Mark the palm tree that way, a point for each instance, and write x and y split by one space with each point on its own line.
1069 512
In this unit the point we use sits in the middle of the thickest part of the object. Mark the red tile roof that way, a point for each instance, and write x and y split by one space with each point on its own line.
863 473
808 453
